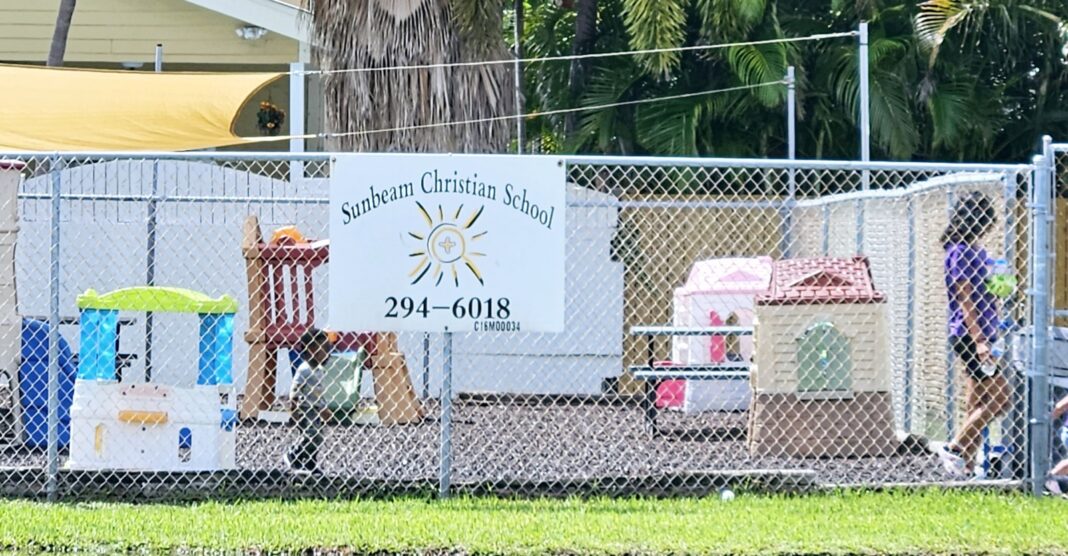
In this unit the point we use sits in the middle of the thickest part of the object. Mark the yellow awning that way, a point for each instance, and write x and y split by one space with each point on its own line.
49 109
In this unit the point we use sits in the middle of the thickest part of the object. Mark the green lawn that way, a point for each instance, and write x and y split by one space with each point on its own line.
924 522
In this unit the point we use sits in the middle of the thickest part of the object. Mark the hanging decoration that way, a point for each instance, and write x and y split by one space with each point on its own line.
270 118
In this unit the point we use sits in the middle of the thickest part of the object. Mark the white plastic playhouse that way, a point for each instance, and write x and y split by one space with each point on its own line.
718 292
147 426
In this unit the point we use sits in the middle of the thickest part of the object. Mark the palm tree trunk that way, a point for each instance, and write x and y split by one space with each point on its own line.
59 34
585 36
355 36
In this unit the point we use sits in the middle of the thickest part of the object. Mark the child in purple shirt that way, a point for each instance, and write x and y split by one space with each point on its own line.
973 327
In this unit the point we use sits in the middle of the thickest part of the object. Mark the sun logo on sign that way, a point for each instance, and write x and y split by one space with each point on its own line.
447 246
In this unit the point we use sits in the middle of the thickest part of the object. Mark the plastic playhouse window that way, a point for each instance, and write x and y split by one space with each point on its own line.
185 445
824 360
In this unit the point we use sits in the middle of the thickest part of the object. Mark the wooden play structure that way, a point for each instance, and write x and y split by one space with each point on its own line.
821 374
282 308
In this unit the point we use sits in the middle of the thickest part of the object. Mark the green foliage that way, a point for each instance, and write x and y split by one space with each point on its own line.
949 79
656 24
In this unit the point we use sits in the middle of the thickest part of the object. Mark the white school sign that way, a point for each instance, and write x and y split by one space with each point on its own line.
459 243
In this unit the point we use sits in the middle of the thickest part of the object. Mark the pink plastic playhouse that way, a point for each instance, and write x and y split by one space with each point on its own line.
718 292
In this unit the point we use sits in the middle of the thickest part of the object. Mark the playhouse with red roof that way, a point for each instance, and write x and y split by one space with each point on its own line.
821 376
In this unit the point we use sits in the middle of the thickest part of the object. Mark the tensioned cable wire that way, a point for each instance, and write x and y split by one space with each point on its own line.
817 37
527 115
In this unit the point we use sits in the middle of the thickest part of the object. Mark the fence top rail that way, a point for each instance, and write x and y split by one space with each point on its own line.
1059 147
756 163
786 164
916 188
198 155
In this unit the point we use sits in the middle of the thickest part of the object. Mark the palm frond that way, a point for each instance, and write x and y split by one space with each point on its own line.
477 17
756 64
600 127
892 120
669 127
938 17
654 24
730 19
949 105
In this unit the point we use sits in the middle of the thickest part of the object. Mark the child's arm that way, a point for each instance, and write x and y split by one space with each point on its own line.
295 389
1060 408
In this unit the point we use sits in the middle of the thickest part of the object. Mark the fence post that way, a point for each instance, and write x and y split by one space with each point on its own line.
865 98
786 212
910 320
445 471
865 128
297 124
517 31
1039 410
150 249
426 365
150 264
951 358
52 484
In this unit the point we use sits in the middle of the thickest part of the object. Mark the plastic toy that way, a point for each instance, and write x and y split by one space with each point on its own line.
150 426
277 320
821 374
718 292
33 385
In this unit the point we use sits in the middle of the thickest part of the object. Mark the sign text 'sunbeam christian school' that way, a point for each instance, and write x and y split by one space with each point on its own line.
462 243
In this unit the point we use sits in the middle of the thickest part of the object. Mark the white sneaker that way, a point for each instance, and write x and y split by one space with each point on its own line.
1057 486
951 462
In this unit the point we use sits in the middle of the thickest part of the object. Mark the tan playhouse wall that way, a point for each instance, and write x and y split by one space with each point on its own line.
779 326
887 249
1060 268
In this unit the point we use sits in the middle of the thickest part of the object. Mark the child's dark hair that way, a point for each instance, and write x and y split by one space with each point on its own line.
971 220
313 337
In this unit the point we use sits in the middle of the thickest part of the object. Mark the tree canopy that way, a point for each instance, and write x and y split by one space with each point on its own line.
950 79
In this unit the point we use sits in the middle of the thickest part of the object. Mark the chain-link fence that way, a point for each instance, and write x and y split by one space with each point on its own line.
1057 157
777 322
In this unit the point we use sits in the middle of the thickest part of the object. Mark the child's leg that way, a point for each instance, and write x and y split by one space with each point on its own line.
313 436
299 453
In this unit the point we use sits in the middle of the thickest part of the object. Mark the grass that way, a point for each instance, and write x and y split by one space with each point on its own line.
885 523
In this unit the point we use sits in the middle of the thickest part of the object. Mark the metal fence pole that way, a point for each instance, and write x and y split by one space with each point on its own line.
426 365
951 359
865 100
150 254
865 128
1038 422
150 264
445 472
517 29
791 152
297 125
52 485
910 321
825 231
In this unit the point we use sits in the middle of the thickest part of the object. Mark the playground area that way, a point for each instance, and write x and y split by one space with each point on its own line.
724 318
